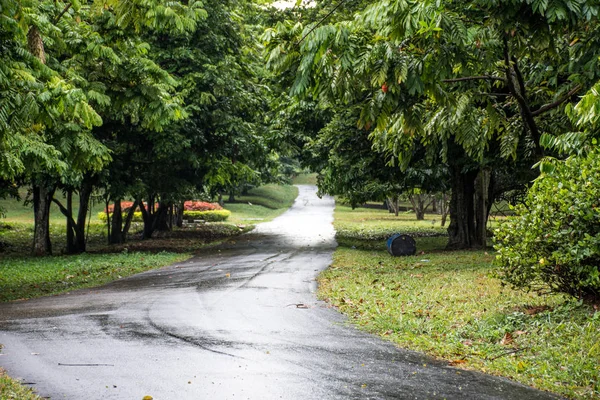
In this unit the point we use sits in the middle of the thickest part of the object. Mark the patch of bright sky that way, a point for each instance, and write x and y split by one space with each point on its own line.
282 4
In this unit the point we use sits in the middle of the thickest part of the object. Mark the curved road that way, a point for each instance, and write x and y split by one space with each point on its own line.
241 322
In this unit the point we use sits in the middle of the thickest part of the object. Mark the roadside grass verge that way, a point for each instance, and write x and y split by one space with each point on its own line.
305 179
23 277
262 204
11 389
271 196
449 305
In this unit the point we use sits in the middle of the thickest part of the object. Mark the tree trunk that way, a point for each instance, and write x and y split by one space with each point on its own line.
116 234
35 44
418 205
153 218
444 208
231 196
108 219
42 198
392 204
162 217
179 213
434 205
461 230
482 200
85 193
129 218
70 227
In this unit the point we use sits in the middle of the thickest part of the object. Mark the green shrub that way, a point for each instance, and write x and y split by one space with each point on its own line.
553 242
137 216
210 216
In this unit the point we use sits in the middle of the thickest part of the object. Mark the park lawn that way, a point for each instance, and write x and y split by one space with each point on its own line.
305 179
274 197
27 277
450 305
261 204
17 211
22 276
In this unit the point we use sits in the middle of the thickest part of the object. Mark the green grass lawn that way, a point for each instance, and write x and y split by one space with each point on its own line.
274 197
262 204
26 277
305 179
22 276
368 228
17 211
449 305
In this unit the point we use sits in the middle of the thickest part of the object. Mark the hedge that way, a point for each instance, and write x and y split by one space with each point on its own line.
137 216
210 216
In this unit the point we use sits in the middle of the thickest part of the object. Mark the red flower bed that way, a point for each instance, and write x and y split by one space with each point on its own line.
125 205
200 206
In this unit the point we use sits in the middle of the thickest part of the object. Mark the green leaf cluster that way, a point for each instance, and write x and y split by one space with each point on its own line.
553 242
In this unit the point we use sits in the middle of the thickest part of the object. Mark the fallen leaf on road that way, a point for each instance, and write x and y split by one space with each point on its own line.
227 275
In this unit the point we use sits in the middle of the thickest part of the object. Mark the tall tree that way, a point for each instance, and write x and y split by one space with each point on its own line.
457 78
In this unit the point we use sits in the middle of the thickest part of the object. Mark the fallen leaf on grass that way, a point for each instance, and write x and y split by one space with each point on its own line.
536 310
458 362
507 339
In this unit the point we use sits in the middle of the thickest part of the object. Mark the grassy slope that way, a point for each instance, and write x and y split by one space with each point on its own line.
449 305
261 204
305 179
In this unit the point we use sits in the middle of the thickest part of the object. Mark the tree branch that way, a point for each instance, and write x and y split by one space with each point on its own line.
511 69
62 13
64 211
475 78
548 107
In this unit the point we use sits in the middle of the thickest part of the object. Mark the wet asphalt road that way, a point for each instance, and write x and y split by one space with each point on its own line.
240 322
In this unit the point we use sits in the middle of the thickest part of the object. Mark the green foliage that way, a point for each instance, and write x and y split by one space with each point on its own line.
209 216
553 242
137 216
